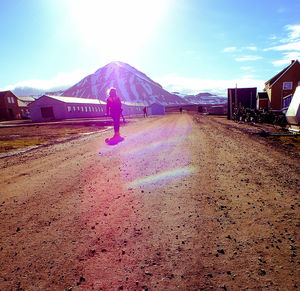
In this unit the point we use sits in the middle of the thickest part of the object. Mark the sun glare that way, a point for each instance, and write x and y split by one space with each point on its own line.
115 28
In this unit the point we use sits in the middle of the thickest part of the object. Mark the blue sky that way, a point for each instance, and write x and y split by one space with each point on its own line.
188 46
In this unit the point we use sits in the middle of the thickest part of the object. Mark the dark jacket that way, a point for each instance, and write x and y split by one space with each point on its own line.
114 106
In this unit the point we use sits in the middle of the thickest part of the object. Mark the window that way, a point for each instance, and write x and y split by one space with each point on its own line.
90 108
74 108
93 109
78 108
10 100
85 108
287 85
82 109
69 109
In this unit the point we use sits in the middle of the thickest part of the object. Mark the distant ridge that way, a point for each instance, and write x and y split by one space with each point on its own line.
205 98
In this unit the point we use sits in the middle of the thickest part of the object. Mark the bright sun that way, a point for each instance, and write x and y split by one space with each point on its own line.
116 28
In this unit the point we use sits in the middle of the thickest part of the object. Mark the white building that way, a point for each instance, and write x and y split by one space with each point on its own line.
48 108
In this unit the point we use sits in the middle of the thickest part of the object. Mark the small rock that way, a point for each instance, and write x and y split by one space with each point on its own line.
81 279
148 273
262 272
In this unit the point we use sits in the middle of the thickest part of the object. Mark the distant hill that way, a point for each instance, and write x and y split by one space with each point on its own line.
36 92
131 84
205 98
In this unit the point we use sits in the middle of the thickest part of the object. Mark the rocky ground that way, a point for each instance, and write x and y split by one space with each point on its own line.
186 202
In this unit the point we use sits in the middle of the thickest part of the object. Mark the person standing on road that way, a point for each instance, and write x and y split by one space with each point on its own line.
114 109
145 111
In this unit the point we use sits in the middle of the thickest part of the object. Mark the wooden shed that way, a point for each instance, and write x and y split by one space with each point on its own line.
241 97
48 108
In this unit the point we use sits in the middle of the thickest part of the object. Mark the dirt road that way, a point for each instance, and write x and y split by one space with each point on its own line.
184 203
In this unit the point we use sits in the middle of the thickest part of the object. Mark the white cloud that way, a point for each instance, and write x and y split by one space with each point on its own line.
176 83
248 58
229 49
235 49
287 57
290 48
294 45
246 68
62 79
251 48
294 31
273 37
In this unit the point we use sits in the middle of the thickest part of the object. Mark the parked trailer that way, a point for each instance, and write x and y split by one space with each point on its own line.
293 112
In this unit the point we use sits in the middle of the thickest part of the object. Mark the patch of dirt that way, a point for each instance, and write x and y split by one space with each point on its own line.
12 138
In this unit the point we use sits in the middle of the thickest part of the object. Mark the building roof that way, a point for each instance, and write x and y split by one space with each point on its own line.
75 100
243 89
133 103
3 93
155 104
21 103
26 99
274 79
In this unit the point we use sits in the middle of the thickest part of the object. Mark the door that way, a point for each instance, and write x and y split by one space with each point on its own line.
47 112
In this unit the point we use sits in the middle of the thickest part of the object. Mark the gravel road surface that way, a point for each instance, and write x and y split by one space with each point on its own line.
185 202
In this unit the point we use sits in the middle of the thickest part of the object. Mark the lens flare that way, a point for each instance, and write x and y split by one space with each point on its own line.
167 175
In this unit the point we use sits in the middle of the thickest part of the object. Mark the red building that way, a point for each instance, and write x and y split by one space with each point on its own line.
282 84
9 109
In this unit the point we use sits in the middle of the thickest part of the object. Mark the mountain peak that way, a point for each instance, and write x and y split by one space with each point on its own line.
116 63
131 84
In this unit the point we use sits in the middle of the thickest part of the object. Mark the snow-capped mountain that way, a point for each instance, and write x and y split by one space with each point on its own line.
205 98
131 84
